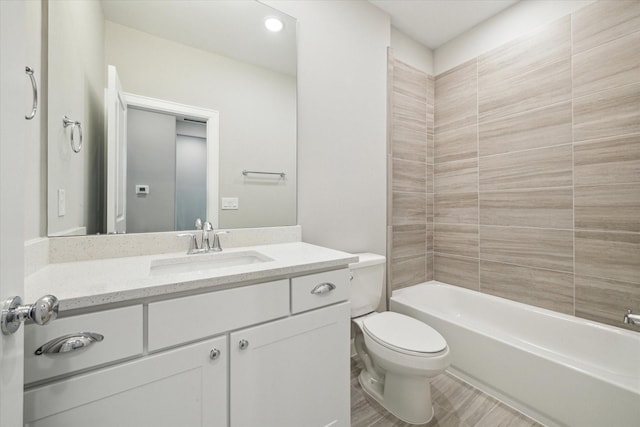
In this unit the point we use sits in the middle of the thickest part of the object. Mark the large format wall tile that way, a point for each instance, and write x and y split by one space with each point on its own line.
547 208
409 176
537 128
456 239
457 177
409 208
408 141
603 21
548 85
607 66
548 44
544 167
409 240
607 161
532 247
543 288
409 81
457 144
455 93
408 271
456 208
607 113
606 300
457 271
608 255
613 207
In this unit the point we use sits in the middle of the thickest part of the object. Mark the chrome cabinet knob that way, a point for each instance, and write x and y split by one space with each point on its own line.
243 344
215 353
43 311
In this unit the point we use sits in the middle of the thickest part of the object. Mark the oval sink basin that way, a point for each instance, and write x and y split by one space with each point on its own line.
202 262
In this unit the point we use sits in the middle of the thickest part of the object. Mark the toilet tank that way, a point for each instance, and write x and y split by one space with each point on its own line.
367 283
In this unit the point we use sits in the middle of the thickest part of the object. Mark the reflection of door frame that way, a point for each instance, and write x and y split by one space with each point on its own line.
212 119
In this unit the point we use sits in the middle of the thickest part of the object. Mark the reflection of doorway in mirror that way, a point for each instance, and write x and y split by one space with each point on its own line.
166 171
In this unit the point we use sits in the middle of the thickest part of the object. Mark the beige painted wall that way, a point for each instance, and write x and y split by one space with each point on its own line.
342 115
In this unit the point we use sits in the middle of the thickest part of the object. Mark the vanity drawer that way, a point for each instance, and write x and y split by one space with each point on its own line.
317 290
195 317
121 329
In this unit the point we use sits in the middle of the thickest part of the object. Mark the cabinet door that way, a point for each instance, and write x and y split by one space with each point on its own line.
292 372
182 387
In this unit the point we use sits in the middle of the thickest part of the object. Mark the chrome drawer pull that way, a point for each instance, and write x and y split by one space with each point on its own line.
323 288
69 343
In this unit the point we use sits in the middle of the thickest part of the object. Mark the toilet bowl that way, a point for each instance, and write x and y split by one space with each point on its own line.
399 353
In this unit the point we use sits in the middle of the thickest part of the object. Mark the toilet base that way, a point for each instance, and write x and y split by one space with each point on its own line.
408 398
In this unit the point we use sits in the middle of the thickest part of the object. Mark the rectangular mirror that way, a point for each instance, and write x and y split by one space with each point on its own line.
206 105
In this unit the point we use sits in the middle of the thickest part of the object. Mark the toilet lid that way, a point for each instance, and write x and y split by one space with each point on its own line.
402 332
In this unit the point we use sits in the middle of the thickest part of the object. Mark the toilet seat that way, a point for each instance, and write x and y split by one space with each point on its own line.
404 334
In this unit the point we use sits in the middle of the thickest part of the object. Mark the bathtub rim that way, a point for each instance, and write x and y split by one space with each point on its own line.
626 382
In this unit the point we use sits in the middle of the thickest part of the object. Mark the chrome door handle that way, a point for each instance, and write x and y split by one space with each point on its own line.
29 71
69 343
323 288
43 311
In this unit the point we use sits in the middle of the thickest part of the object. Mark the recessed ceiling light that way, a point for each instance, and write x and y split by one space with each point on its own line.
273 24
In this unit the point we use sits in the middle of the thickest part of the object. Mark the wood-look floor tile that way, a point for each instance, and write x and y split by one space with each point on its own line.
455 98
456 239
547 85
603 21
456 177
457 144
545 208
607 113
503 416
457 271
409 176
542 288
540 168
607 66
606 300
547 44
409 241
614 207
607 161
531 247
543 127
456 208
608 255
409 208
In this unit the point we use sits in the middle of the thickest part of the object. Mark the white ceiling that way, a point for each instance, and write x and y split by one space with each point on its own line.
233 28
435 22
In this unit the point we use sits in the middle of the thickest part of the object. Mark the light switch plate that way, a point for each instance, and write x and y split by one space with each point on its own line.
62 202
229 203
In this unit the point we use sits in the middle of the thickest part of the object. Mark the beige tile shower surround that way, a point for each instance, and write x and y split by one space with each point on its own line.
536 179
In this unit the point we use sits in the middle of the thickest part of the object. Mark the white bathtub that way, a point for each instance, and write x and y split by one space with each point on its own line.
558 369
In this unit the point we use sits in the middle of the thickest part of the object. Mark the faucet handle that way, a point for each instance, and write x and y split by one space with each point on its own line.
216 241
198 224
193 242
207 226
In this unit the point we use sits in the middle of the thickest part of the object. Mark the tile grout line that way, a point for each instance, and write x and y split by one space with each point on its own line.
573 168
477 169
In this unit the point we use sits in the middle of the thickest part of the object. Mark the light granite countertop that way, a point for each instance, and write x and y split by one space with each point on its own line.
84 284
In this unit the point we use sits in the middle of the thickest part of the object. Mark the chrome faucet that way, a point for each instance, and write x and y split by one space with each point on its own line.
205 240
631 319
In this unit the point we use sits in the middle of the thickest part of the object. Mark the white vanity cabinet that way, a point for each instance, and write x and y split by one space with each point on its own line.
274 354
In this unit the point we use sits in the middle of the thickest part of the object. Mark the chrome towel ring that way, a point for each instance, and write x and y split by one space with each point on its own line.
29 71
66 121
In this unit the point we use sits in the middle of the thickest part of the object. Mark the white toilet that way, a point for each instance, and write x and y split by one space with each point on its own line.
399 353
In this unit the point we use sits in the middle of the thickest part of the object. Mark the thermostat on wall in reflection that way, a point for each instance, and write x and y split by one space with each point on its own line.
142 189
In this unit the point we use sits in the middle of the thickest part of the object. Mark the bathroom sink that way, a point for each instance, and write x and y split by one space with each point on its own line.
203 262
